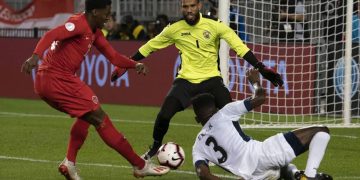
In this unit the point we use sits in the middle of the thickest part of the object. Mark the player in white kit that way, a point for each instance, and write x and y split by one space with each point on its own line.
222 142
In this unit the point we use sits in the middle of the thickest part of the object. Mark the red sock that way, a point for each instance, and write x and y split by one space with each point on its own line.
117 141
78 135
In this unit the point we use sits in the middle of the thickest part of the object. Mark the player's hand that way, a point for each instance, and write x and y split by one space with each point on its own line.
118 72
253 75
141 68
270 74
30 64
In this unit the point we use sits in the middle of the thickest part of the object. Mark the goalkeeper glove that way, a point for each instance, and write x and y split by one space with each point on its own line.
118 72
269 74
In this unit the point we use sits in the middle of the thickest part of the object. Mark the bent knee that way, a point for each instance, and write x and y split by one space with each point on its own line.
95 117
322 128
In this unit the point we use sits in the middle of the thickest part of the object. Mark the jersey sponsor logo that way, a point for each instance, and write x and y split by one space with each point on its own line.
95 99
206 34
185 34
70 26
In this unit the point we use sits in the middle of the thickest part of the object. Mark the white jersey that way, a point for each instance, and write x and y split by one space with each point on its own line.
222 141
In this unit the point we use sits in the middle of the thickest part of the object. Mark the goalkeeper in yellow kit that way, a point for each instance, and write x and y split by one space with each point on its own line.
198 39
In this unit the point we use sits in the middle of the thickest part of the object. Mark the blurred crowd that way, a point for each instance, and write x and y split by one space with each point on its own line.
130 29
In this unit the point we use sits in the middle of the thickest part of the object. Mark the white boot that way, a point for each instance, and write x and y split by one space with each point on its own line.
68 169
150 169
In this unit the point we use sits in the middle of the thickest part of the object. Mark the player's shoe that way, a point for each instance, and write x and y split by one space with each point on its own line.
150 169
68 170
323 176
319 176
289 172
150 153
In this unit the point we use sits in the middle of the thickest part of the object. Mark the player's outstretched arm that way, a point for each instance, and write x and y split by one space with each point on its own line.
203 172
118 71
259 96
161 41
119 60
30 64
243 51
266 72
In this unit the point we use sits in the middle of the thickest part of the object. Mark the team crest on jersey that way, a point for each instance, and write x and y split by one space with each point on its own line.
95 99
70 26
206 34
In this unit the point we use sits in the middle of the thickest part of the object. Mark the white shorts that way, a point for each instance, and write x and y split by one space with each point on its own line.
275 153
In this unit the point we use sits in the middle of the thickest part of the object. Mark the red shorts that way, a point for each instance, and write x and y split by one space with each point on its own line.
66 93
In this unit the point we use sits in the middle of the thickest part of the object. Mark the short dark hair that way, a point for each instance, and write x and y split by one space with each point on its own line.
163 17
198 1
96 4
127 19
201 104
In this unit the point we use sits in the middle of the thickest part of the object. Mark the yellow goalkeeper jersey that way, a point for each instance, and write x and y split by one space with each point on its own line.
198 46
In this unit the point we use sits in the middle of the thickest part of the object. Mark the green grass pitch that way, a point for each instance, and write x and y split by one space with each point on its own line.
34 138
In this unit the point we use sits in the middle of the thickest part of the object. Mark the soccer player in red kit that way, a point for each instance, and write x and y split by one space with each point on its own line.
57 84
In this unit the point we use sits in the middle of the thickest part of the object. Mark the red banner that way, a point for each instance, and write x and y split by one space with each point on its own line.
295 97
36 9
131 88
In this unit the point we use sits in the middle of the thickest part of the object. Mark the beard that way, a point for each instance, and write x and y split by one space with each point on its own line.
192 22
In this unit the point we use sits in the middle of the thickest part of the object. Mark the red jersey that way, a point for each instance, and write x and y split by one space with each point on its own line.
69 43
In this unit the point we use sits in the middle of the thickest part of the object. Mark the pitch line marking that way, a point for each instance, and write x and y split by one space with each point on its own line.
103 165
129 167
11 114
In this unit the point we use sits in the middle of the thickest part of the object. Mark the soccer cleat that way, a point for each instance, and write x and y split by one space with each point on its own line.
150 169
320 176
146 157
289 172
67 169
323 176
298 175
150 153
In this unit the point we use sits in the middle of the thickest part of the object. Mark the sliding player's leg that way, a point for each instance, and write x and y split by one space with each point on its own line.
281 149
314 139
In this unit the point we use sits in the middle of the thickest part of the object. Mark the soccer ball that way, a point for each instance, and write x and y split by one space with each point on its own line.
171 154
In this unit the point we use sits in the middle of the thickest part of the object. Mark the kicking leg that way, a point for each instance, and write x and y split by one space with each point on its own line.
112 137
315 139
118 142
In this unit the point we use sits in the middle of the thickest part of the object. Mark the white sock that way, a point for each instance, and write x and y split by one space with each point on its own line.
317 149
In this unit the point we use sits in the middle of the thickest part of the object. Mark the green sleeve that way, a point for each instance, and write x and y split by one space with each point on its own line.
232 39
163 40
